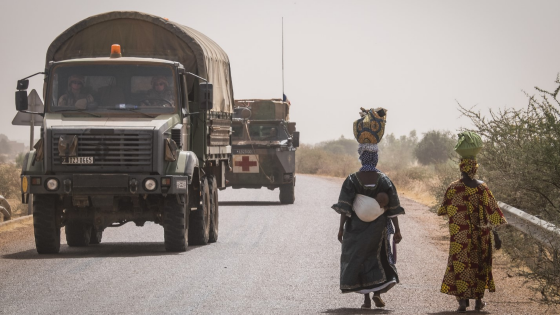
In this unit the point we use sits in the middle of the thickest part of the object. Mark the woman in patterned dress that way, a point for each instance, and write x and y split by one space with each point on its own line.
367 263
473 214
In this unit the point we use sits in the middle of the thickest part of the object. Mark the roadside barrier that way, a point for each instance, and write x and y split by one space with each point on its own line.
5 208
15 222
546 233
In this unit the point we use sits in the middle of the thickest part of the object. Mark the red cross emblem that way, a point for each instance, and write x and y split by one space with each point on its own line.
244 163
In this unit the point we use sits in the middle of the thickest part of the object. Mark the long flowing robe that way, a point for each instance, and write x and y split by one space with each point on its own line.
472 212
365 262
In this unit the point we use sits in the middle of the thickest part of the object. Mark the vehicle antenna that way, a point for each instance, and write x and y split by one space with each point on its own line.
283 95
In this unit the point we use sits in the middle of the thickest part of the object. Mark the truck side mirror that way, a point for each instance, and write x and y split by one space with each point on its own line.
295 139
21 95
21 101
22 84
206 96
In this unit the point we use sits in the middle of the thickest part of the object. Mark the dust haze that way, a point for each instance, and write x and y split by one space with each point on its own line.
416 59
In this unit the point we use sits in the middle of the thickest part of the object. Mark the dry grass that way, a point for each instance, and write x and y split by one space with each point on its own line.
418 192
10 189
338 158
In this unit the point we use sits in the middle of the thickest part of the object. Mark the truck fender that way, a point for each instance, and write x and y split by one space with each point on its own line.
184 165
30 166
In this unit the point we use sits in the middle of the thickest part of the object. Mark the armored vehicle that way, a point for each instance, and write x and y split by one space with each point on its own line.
132 133
264 145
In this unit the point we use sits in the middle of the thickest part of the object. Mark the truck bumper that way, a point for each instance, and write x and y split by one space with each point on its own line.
103 184
258 180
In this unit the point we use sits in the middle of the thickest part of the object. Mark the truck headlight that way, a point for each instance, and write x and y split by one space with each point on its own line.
150 184
52 184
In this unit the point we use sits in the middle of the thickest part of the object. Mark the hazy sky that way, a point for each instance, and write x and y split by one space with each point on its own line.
415 58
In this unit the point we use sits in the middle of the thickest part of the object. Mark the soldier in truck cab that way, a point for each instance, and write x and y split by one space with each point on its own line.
272 135
75 95
160 94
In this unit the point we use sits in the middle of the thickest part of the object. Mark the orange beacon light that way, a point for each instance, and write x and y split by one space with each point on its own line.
116 51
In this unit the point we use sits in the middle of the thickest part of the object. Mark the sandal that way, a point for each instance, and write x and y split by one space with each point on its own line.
378 301
479 305
366 306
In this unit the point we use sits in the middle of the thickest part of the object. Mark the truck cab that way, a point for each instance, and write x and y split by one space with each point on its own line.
127 139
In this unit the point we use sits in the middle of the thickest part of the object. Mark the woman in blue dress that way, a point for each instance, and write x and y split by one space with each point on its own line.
367 263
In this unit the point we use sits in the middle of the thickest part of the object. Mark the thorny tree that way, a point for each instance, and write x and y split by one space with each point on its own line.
521 162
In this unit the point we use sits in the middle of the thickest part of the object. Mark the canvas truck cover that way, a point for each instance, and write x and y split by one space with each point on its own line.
149 36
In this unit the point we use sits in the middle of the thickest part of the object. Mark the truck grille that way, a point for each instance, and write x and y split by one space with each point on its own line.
120 151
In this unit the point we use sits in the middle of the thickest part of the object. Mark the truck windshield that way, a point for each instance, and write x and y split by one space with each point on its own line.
109 88
258 132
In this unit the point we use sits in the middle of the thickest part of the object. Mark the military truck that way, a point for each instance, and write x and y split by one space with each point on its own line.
264 145
136 132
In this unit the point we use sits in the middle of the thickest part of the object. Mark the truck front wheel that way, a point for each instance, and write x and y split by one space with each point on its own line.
47 232
199 227
175 227
287 194
214 212
78 234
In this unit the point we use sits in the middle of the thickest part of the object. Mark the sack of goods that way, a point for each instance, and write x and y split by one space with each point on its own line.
366 208
371 127
469 144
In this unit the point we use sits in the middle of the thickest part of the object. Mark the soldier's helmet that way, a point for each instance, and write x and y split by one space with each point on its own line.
75 78
158 79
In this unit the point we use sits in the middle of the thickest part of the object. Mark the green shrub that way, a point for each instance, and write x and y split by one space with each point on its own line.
435 147
322 160
9 181
19 159
520 161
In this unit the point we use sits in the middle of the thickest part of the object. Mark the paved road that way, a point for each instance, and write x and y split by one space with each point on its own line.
269 258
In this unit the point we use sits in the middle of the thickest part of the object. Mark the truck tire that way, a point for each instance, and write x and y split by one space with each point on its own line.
199 227
175 224
47 232
287 195
78 234
214 212
95 237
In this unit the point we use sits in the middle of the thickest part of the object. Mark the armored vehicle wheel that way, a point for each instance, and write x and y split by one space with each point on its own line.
47 233
199 227
78 234
214 212
175 226
96 236
287 195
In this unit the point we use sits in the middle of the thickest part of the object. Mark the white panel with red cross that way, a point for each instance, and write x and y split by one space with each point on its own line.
245 164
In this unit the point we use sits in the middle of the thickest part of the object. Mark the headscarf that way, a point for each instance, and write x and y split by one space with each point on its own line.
369 157
469 166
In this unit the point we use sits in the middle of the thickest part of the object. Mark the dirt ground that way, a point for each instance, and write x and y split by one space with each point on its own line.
261 233
514 294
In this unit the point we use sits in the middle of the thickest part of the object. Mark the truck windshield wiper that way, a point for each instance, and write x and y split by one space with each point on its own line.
134 110
77 110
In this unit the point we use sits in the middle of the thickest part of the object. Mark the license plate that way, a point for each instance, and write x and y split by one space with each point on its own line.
77 160
243 151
